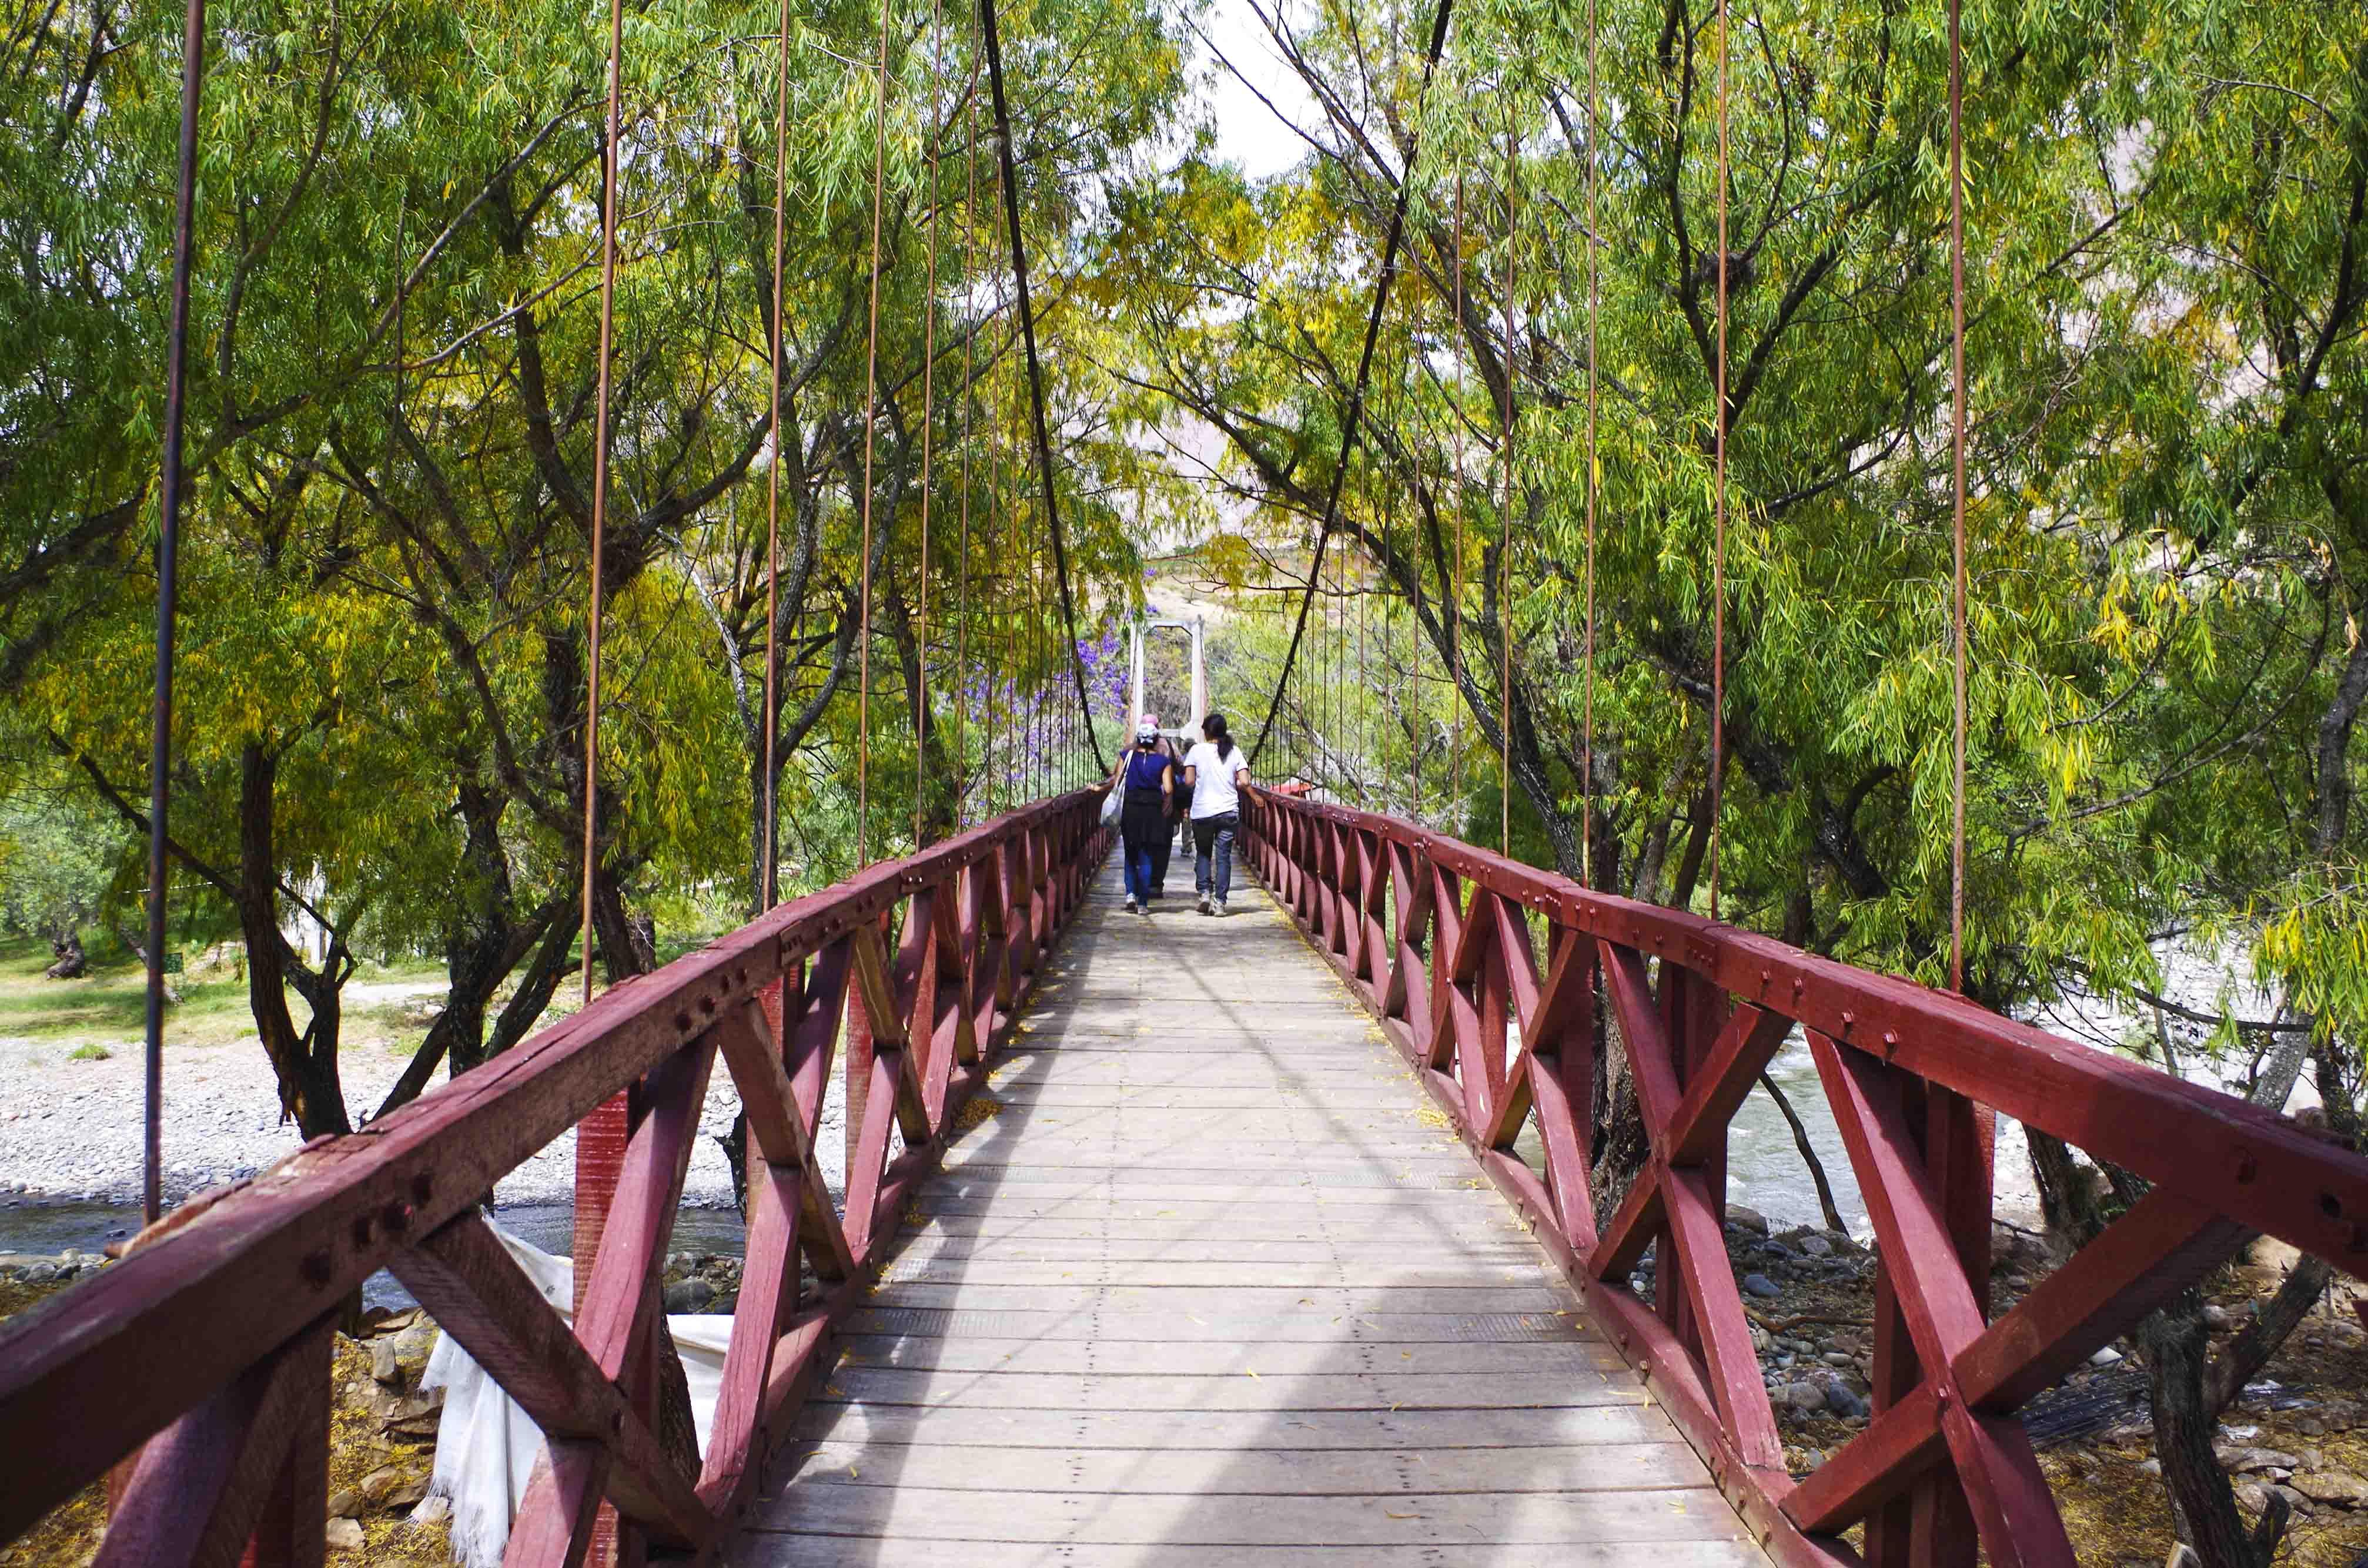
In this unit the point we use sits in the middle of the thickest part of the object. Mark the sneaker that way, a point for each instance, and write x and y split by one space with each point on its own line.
1221 907
1204 903
1131 905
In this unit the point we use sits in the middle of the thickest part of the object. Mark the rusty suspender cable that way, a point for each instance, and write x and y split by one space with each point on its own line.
1365 370
1456 673
1957 459
1035 371
1718 547
870 432
1594 461
608 162
928 417
168 552
1505 543
970 394
768 877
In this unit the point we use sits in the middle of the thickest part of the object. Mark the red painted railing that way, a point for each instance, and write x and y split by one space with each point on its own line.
1436 937
209 1345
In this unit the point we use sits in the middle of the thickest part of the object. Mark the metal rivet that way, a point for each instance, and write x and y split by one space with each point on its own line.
682 1021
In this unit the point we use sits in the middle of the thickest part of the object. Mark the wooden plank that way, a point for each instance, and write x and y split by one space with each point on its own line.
1228 1358
1095 1319
1149 1227
1379 1274
1213 1247
1426 1431
1283 1472
831 1551
1316 1300
1231 1520
1250 1390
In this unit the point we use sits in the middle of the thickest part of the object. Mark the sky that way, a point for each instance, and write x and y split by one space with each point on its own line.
1249 133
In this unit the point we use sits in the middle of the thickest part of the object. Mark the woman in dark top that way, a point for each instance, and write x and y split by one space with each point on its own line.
1145 776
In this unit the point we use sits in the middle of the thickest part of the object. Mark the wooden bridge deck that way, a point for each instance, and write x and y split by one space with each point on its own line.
1212 1286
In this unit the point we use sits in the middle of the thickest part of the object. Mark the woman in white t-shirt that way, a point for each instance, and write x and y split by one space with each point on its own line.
1214 771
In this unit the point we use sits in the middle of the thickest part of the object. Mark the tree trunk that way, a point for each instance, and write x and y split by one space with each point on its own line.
1809 1155
304 1062
2175 1341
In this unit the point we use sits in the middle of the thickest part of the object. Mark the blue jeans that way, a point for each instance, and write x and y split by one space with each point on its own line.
1138 873
1213 859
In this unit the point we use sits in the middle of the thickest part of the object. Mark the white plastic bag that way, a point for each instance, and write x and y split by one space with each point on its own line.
1111 806
487 1447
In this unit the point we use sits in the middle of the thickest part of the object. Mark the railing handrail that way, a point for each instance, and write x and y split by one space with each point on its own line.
2283 1179
1455 977
88 1375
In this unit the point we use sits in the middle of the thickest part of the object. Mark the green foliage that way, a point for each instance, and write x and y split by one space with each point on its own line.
58 857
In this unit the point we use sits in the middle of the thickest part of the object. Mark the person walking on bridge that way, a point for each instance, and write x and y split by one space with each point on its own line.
1144 777
1214 771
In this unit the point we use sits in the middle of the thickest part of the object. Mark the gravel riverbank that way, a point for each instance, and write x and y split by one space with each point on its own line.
71 1130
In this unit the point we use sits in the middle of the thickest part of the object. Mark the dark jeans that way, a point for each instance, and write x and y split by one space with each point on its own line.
1212 864
1138 872
1160 852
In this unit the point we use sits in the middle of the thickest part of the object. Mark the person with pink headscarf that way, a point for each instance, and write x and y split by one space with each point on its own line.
1146 778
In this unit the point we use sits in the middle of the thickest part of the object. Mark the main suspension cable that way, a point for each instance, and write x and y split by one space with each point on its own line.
871 433
1035 370
1365 370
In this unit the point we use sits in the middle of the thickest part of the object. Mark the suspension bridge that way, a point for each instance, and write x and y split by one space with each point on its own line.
1224 1279
1302 1263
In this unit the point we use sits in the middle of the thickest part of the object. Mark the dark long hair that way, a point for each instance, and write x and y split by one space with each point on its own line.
1213 729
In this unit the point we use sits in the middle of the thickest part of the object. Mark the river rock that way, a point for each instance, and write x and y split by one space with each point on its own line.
1761 1286
1751 1220
385 1366
433 1511
689 1296
1804 1397
344 1503
345 1535
2341 1488
2251 1461
379 1487
1843 1401
1814 1245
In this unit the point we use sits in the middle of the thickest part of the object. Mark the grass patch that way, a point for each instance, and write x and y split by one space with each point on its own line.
106 1011
90 1053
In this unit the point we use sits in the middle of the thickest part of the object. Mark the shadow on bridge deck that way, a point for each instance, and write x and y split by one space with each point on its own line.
1212 1286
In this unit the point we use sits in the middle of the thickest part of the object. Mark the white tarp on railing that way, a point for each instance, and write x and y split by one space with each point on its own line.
487 1447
